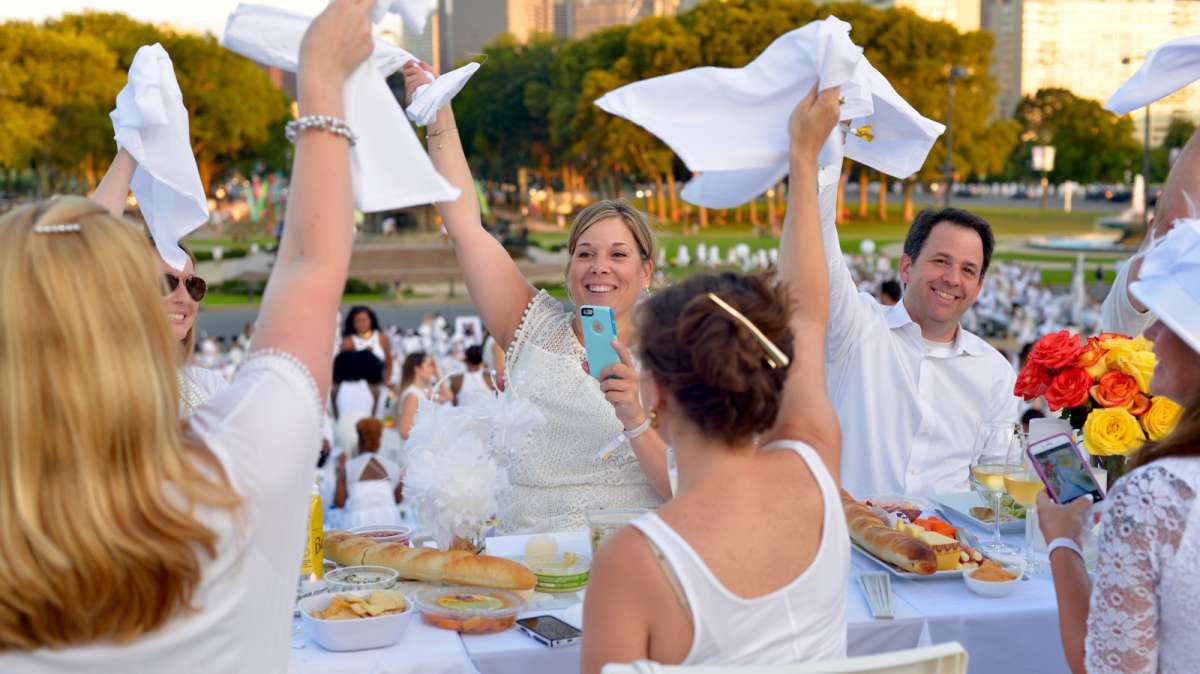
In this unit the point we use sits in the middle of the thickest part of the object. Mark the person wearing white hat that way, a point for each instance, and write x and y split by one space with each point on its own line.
1121 311
1141 613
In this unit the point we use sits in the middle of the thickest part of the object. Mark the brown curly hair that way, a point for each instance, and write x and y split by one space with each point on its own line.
370 433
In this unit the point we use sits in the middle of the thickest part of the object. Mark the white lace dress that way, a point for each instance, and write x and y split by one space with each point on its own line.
1145 609
558 476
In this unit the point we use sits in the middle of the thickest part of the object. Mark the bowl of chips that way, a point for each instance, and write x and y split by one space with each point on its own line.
355 621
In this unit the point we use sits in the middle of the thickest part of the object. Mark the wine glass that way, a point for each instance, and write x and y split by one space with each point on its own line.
995 443
1023 486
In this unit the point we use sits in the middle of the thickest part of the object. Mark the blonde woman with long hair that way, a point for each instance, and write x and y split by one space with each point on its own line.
597 448
132 544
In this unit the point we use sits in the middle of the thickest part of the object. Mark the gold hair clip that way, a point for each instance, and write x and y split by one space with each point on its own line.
775 357
865 132
64 228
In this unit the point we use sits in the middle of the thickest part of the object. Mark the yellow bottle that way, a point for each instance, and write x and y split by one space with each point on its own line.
313 565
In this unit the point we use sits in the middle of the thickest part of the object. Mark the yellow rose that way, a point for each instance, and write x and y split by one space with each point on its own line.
1161 418
1137 364
1117 346
1140 343
1112 431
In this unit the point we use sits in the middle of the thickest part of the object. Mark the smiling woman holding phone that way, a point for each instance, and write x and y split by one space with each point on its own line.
563 470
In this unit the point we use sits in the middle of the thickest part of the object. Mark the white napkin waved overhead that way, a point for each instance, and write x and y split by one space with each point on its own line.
414 13
151 124
1169 282
389 168
730 124
1167 69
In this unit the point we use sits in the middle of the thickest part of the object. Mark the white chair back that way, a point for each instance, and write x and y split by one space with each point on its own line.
948 658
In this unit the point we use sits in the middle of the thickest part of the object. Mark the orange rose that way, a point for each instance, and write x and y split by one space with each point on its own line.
1116 389
1069 388
1032 381
1092 358
1140 405
1056 350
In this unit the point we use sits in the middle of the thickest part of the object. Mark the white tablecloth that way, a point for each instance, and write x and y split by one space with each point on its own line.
1018 633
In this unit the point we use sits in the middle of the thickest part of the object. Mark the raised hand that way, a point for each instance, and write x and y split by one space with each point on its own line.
336 42
619 382
416 74
813 119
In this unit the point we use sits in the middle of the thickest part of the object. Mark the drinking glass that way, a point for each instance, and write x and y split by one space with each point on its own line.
995 443
1023 486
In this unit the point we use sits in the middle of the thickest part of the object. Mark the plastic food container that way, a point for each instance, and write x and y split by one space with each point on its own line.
350 578
357 634
604 523
470 610
385 533
558 576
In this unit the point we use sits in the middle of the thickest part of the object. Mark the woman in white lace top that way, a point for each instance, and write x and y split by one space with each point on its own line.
564 470
1143 612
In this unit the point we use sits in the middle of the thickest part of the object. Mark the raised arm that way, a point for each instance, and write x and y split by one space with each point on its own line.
494 282
305 288
113 189
806 413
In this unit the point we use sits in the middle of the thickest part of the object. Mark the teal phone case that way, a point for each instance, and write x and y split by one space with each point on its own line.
599 331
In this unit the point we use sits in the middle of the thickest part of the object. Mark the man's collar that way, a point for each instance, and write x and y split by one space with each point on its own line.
898 317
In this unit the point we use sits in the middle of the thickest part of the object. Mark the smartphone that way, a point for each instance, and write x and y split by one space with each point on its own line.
599 332
549 630
1063 469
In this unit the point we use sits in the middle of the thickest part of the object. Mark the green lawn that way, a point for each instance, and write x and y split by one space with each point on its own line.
239 301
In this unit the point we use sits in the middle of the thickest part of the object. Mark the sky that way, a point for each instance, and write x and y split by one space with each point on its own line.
197 15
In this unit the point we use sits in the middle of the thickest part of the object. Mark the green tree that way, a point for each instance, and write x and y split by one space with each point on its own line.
1178 133
1091 144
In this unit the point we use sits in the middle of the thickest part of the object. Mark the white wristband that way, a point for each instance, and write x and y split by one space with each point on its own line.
637 431
1063 543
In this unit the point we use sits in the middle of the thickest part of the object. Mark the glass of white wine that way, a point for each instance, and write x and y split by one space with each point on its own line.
1023 486
995 443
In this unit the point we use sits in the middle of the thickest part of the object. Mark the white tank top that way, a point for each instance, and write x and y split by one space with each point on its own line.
371 344
802 621
474 389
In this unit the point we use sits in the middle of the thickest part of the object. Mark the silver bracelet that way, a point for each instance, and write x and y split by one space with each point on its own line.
638 431
334 125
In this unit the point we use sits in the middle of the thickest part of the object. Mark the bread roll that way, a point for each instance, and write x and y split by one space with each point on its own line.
456 567
891 546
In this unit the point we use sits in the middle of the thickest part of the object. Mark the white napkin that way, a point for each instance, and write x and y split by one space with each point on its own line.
730 124
1167 69
414 13
429 98
388 166
1169 282
151 124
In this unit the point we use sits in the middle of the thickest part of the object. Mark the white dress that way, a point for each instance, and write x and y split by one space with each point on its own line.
1145 607
474 389
265 429
802 621
558 476
355 399
371 502
196 386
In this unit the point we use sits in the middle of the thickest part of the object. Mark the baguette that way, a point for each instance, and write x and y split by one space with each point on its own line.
346 549
893 547
456 567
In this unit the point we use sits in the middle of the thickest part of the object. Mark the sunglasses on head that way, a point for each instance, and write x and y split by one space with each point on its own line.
194 285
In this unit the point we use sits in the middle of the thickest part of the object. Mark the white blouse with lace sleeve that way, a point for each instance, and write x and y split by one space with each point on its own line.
1145 605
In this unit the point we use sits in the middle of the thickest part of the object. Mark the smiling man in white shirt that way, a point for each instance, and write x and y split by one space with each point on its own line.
910 385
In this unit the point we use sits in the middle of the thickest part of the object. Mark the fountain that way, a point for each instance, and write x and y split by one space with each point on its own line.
1126 238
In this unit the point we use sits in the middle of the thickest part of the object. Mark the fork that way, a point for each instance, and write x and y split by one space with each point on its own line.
877 588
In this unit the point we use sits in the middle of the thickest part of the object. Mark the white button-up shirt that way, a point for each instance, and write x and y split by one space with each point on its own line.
908 413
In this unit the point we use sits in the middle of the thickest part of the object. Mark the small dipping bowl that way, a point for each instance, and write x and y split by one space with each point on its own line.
993 588
604 523
351 578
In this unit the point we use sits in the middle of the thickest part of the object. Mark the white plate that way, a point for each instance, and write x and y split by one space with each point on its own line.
958 507
901 573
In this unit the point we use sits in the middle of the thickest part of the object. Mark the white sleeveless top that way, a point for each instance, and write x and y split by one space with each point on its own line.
371 344
558 476
801 622
474 389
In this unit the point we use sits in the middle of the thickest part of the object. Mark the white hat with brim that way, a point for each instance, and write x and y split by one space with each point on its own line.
1169 281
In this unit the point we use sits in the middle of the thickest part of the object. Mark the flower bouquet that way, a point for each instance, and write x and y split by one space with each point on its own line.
1101 385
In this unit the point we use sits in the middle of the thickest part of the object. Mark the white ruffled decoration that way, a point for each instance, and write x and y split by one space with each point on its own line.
456 459
151 123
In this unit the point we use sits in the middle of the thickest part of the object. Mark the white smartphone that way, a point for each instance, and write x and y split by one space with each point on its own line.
1063 469
549 630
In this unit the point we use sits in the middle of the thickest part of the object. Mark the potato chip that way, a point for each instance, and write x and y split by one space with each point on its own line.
349 606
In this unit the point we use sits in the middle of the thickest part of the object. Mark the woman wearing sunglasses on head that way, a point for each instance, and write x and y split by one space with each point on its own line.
182 292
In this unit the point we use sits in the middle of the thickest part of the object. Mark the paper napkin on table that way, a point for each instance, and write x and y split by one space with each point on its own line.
151 124
389 168
730 124
1167 69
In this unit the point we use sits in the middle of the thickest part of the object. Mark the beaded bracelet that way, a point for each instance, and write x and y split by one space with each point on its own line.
334 125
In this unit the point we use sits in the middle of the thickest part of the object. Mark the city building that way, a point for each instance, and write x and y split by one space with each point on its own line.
589 16
1088 47
962 14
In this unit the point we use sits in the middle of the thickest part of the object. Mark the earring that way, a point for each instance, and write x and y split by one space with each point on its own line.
653 417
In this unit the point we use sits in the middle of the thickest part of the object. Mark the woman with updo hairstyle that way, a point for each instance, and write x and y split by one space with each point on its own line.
747 564
597 448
